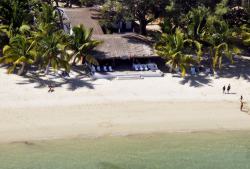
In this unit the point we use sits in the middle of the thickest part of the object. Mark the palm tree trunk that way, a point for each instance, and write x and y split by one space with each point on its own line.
143 25
74 61
47 68
211 59
60 19
57 4
21 71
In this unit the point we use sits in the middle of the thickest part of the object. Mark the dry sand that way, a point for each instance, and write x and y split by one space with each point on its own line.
85 108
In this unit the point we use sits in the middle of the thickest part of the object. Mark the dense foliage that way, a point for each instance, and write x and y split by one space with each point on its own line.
32 36
216 28
31 31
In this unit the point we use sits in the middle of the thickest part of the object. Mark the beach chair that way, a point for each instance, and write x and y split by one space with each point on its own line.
208 71
93 68
141 67
98 68
177 70
105 69
193 72
110 68
135 67
152 66
145 67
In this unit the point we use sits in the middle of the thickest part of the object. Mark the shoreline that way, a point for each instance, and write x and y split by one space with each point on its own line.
119 119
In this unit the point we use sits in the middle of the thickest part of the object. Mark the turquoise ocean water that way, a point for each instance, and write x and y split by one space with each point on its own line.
210 150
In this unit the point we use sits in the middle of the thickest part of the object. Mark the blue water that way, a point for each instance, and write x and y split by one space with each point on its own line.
210 150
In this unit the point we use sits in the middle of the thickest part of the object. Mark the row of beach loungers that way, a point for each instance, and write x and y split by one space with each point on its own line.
102 68
193 71
145 67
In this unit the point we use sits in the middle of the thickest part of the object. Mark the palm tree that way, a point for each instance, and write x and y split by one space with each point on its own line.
51 46
82 44
212 32
197 20
245 35
4 35
14 13
218 40
47 15
20 51
171 48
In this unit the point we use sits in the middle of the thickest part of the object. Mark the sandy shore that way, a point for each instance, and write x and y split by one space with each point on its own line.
85 108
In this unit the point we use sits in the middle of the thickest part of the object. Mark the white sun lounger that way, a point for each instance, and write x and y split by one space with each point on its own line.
145 67
193 72
105 68
152 66
98 68
208 70
110 68
136 67
93 68
141 67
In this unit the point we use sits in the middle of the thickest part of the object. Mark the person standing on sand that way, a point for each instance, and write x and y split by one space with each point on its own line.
228 88
241 105
241 98
51 89
224 89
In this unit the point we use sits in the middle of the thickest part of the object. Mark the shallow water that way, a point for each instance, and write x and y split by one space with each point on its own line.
211 150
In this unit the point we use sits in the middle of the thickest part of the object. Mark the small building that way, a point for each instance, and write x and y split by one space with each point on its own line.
124 50
120 51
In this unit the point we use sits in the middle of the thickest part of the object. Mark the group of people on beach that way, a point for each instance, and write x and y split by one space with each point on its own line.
228 90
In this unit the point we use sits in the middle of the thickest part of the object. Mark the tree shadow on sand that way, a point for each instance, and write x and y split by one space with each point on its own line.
73 83
196 81
239 69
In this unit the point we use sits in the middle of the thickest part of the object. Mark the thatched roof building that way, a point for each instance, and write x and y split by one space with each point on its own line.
114 46
123 46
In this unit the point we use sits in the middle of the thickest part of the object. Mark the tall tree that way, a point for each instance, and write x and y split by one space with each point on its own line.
14 13
145 11
82 44
20 51
51 44
171 47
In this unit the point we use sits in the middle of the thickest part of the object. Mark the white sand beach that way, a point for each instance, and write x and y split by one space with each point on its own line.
86 108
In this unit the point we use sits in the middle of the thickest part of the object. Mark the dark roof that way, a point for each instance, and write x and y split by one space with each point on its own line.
83 16
123 46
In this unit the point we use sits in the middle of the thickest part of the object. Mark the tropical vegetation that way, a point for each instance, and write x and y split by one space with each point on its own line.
208 29
31 32
32 35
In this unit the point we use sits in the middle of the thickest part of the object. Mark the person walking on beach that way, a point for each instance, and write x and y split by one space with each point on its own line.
228 88
51 88
224 89
241 105
241 98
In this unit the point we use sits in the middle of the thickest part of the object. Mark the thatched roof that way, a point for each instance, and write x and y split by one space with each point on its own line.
83 16
114 46
123 46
